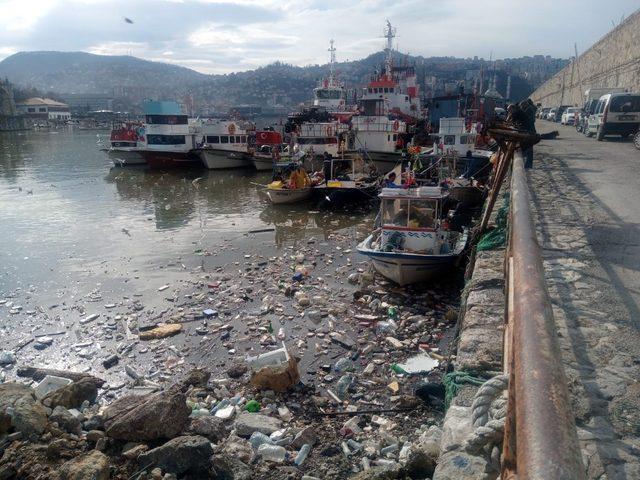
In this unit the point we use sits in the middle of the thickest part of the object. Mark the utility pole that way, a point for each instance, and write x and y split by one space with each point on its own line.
581 92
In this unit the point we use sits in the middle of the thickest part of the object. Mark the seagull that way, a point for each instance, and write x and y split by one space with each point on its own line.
128 20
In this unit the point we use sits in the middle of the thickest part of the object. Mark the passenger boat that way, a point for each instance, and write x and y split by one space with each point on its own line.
414 242
171 137
225 144
348 180
126 142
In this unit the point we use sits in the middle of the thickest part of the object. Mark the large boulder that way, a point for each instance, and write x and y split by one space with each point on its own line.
147 417
20 411
189 453
72 395
94 466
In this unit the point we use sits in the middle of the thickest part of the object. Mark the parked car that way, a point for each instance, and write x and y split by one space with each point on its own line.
542 113
588 109
559 111
569 116
615 114
551 114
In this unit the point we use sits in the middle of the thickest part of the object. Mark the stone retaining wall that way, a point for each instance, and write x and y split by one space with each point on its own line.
613 61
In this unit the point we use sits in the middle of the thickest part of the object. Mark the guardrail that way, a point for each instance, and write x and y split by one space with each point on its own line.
540 440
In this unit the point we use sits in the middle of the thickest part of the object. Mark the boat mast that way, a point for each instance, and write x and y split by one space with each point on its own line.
332 50
389 34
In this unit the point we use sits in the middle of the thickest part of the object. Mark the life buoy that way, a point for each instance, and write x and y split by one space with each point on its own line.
232 128
263 136
396 126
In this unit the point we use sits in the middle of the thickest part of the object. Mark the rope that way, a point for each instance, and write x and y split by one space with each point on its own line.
486 394
489 434
453 381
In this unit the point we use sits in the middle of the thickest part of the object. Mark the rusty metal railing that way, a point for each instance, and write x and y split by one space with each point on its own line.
540 440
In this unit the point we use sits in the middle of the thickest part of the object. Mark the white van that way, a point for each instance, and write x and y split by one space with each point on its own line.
615 114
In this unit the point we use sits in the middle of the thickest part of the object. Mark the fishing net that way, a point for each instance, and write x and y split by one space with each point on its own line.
498 236
453 381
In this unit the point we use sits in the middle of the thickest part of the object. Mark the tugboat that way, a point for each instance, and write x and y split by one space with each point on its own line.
390 104
171 137
126 143
414 242
225 145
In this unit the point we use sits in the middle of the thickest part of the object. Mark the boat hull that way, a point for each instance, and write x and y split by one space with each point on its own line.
288 196
123 158
171 159
262 163
224 159
405 268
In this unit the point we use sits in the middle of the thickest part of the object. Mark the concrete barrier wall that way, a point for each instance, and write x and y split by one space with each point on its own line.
614 61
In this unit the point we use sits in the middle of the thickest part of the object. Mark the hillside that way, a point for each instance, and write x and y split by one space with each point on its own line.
80 72
133 79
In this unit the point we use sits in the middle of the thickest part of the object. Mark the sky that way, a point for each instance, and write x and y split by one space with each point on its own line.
213 36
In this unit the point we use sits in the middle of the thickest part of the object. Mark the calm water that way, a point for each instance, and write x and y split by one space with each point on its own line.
73 223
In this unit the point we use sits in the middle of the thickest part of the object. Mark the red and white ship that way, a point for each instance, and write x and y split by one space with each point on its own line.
126 143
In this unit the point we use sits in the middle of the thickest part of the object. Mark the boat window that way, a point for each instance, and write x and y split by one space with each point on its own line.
166 139
422 214
449 139
386 90
167 119
391 90
31 110
213 139
244 138
224 139
406 99
388 138
394 212
395 137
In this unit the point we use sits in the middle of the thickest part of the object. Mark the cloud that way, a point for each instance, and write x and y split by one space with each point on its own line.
214 36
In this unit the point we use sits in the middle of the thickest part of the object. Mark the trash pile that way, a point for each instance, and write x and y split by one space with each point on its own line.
309 367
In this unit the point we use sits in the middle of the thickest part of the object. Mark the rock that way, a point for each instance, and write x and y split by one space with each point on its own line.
20 411
147 417
94 435
72 395
8 472
57 447
156 474
239 448
420 458
229 467
135 451
211 427
94 466
65 420
237 370
196 378
456 427
392 472
189 453
306 435
247 423
460 466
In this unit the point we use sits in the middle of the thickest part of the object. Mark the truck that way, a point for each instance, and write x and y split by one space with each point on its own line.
596 93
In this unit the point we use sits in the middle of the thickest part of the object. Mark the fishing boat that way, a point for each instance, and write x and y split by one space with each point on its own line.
170 135
390 106
346 181
414 242
225 144
126 143
281 190
268 149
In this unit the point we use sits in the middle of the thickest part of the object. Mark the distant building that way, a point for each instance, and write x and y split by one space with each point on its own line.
88 102
44 109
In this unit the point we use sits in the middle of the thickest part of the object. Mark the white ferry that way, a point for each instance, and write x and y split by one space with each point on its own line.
225 144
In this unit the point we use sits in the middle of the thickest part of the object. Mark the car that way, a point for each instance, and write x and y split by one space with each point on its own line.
551 114
569 116
581 119
615 114
542 113
558 113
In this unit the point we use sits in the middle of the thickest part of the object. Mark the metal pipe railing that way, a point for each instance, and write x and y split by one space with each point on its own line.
540 439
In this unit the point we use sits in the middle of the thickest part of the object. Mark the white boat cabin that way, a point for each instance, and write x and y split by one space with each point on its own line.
225 135
410 221
455 137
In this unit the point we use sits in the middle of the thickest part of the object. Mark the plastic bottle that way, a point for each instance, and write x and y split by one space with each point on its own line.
342 387
392 312
272 453
302 454
386 327
223 403
343 365
259 438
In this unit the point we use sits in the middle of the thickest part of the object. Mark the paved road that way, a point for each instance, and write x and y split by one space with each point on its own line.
586 202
